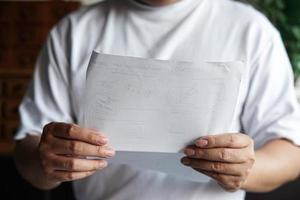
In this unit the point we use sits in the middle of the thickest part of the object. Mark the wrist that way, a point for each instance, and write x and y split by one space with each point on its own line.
255 181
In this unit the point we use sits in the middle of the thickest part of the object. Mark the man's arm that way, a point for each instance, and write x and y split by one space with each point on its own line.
230 159
59 155
277 162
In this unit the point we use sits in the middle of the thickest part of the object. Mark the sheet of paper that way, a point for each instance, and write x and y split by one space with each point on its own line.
168 163
147 105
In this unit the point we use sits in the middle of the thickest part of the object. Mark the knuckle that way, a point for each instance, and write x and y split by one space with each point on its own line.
73 147
90 137
217 166
99 150
199 152
101 135
46 133
211 140
232 139
69 164
48 126
69 130
224 155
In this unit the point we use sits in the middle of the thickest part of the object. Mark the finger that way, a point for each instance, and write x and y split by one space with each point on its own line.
75 132
216 167
230 140
73 147
65 163
218 154
228 182
63 176
207 173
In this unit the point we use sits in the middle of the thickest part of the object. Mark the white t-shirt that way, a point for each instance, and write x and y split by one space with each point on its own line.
208 30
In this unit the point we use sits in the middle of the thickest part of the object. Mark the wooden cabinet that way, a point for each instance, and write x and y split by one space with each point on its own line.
24 28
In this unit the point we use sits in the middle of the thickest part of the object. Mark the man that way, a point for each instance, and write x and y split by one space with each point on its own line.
259 155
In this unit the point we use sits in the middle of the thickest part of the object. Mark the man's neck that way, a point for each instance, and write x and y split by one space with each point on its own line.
157 2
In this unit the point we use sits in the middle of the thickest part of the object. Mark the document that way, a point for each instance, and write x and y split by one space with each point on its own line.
151 109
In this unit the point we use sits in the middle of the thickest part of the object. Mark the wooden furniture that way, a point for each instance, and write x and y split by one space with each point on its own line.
24 28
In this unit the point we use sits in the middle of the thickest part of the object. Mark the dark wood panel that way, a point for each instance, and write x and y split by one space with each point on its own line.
1 90
10 128
10 108
19 57
30 33
1 113
25 26
14 87
6 33
20 34
35 11
25 57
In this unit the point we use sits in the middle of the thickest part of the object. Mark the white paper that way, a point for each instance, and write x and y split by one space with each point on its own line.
147 105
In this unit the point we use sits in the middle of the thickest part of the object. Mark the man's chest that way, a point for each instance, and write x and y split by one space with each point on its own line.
198 44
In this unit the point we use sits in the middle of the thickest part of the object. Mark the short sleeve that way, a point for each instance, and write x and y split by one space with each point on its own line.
271 109
47 98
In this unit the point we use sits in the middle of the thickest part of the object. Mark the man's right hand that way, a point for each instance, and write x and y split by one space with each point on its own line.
63 149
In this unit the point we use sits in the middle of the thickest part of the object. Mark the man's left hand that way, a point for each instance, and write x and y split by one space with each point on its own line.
227 158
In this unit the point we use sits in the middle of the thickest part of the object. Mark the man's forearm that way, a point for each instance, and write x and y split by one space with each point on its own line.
277 162
26 159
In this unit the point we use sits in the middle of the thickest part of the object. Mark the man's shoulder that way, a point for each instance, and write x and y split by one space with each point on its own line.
237 9
83 18
242 15
89 12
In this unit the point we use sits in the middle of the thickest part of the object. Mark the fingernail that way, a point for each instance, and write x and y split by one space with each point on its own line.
109 151
202 142
102 140
185 161
102 164
189 152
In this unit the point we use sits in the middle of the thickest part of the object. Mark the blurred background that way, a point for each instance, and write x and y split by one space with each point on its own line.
24 28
